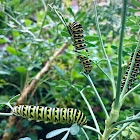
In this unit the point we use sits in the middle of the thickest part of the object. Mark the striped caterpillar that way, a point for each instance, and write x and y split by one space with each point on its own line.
134 73
76 32
48 114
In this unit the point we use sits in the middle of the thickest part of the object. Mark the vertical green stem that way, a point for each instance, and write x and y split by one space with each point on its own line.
102 45
120 54
92 114
98 96
130 70
114 114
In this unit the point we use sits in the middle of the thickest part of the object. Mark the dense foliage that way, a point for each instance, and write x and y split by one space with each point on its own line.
31 33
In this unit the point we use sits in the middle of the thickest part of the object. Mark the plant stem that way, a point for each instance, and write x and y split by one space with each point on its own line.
125 121
98 96
124 97
93 129
6 114
120 54
130 71
24 28
102 45
129 74
85 133
102 71
114 114
43 18
92 114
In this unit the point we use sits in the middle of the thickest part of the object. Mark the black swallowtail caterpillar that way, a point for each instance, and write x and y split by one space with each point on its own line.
134 73
48 114
76 32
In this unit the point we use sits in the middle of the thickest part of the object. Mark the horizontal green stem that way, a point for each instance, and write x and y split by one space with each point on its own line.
125 121
6 114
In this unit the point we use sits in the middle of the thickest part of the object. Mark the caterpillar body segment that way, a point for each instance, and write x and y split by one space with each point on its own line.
76 32
48 114
135 72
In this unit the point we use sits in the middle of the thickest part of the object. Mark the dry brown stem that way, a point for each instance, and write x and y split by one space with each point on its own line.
29 88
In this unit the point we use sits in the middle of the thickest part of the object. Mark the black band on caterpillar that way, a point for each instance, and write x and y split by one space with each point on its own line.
76 32
48 114
134 73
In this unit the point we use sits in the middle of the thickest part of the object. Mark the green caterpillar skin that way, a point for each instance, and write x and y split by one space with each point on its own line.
134 73
48 114
76 32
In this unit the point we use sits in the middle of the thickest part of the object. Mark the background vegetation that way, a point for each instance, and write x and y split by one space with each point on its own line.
30 34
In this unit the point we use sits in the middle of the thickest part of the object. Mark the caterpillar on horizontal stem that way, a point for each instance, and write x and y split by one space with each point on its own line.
48 114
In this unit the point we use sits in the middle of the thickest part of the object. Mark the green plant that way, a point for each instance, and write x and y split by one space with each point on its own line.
113 127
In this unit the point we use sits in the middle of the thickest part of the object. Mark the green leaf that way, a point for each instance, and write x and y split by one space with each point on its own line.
12 129
52 16
131 21
28 22
82 15
21 69
3 124
59 87
133 38
133 10
135 3
37 127
125 133
130 44
135 28
4 39
2 82
70 11
63 82
4 99
114 47
14 98
66 34
11 50
91 38
82 53
90 44
15 34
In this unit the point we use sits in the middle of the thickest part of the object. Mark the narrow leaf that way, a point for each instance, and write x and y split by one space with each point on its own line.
56 132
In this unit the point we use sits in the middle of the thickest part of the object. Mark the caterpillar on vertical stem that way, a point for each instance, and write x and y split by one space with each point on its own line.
134 73
76 32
